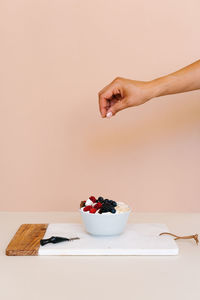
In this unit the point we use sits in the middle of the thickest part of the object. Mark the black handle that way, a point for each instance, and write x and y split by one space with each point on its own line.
53 240
45 241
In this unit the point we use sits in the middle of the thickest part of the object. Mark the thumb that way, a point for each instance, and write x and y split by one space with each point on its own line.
116 107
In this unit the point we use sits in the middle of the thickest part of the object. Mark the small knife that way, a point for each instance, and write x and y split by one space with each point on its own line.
56 239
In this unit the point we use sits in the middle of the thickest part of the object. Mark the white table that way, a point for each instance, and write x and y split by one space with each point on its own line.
83 277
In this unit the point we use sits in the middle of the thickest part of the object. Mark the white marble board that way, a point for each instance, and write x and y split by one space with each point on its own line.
138 239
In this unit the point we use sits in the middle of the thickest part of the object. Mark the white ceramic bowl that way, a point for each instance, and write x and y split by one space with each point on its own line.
105 224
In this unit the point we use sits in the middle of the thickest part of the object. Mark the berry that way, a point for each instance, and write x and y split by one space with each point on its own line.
87 208
100 199
93 199
103 205
104 210
107 205
93 210
98 205
114 203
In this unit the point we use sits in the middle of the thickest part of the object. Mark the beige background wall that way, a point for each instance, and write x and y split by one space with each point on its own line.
55 150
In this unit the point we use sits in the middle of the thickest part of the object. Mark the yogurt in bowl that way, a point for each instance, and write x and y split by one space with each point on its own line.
104 217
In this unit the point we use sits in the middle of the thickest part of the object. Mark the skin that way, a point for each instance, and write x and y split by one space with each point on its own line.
122 93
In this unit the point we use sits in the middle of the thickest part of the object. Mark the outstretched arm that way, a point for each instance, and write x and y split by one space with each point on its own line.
122 93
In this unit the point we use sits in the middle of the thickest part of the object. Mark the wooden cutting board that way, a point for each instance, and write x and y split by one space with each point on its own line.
138 239
26 240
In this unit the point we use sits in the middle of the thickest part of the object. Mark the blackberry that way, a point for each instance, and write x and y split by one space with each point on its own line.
106 205
101 211
100 199
113 203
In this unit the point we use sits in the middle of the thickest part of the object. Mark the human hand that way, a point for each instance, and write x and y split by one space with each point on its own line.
122 93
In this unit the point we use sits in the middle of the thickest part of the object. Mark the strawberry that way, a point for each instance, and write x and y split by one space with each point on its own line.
93 199
93 210
87 208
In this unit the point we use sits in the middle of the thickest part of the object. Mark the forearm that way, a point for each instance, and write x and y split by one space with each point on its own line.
184 80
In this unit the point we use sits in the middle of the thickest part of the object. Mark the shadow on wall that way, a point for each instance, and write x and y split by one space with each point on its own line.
151 128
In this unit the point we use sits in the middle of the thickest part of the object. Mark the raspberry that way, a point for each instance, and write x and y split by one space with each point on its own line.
98 205
93 210
93 199
87 208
